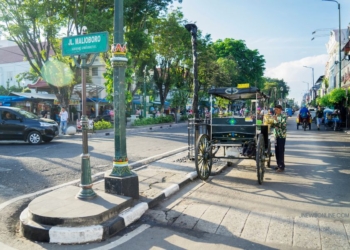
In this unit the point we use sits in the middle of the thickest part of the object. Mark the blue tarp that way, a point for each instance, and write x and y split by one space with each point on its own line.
6 100
12 99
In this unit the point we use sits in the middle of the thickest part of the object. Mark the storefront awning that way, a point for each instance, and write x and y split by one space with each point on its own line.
35 95
99 100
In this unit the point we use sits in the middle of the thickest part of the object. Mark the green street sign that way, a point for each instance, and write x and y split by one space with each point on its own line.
85 44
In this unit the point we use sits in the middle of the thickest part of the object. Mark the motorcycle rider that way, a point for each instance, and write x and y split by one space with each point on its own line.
304 113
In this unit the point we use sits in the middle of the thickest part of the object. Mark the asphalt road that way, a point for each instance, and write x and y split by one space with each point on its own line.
27 168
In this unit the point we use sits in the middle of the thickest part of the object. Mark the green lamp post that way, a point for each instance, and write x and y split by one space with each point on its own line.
121 180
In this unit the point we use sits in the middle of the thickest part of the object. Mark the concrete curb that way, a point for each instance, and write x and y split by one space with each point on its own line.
79 235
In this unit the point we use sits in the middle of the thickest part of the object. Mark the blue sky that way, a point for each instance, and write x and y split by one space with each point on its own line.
281 30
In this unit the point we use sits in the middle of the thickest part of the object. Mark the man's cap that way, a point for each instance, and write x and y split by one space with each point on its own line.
278 106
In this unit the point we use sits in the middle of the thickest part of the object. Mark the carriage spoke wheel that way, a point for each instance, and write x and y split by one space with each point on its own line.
260 159
203 157
268 155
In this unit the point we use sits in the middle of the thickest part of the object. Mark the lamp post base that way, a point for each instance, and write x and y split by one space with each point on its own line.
86 192
122 185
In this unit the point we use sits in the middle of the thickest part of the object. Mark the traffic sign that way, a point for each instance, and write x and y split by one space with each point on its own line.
85 44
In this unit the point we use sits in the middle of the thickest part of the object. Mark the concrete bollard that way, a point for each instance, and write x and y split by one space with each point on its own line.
71 130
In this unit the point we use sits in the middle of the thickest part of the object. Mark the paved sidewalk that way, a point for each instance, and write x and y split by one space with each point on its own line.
157 181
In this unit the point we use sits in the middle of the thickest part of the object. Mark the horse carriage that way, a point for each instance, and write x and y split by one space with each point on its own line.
239 137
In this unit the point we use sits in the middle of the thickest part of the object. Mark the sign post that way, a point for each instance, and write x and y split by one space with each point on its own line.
83 45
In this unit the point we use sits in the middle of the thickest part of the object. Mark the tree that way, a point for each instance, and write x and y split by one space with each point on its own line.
272 87
250 65
138 16
172 47
35 27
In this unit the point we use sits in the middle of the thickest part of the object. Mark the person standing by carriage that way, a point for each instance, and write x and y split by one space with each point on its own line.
319 117
280 133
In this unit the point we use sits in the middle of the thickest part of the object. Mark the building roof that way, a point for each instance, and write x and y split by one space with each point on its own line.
40 83
11 54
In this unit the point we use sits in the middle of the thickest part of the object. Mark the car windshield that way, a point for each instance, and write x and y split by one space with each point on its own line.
27 114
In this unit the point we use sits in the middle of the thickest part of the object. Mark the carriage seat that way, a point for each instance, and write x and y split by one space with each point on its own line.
229 127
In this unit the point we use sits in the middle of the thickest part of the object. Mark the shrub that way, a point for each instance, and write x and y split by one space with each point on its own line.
157 120
183 118
102 125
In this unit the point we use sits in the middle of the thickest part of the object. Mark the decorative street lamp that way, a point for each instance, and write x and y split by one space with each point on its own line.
339 37
192 28
308 89
86 192
313 82
150 73
120 180
144 92
281 88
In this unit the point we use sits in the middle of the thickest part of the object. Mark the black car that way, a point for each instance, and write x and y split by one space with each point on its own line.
18 124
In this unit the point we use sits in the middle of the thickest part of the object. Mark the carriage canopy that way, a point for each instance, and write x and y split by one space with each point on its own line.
239 93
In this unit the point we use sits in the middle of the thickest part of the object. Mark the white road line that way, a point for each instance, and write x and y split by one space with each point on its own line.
125 238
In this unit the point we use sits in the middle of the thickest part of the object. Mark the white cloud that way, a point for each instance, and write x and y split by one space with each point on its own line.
295 74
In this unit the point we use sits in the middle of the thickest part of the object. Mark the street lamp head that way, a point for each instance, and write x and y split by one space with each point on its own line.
330 1
84 29
191 27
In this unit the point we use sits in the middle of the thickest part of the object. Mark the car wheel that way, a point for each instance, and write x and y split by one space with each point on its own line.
34 137
47 139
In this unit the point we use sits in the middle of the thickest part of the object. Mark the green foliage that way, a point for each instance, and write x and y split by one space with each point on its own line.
172 45
337 95
323 101
250 65
157 120
184 118
272 87
180 97
8 90
222 102
102 125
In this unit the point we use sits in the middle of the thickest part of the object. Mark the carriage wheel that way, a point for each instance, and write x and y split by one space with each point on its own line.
268 154
203 157
260 158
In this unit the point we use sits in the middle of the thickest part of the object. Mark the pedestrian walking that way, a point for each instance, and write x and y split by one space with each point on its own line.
264 111
43 113
319 117
64 118
280 133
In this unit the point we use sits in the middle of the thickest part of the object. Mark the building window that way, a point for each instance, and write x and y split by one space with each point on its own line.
95 71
